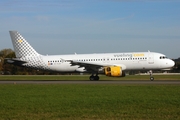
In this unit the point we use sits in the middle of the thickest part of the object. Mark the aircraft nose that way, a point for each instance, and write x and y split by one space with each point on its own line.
171 63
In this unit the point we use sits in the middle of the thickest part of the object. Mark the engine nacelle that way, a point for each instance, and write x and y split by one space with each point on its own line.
114 71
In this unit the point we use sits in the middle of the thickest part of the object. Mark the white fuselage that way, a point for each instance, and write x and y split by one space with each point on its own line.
127 61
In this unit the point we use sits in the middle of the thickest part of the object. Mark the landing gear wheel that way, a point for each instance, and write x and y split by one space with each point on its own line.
92 78
151 78
96 77
151 75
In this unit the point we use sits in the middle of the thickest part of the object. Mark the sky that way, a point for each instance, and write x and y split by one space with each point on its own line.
93 26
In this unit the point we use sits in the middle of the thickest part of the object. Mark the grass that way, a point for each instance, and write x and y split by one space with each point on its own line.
77 101
85 77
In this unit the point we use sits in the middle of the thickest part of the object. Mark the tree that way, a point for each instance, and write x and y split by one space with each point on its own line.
5 53
6 68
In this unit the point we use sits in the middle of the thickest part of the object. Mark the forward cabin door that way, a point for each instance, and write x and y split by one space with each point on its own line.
151 58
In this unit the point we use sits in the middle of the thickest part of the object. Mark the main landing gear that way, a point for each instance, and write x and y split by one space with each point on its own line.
151 75
94 77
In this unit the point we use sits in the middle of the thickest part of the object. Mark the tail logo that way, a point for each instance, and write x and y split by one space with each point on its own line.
20 41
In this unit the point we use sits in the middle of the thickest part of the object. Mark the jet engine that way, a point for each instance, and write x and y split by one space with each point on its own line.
114 71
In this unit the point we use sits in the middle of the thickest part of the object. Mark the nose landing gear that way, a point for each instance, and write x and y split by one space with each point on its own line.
151 75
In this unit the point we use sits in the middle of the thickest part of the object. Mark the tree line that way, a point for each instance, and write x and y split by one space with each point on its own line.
10 69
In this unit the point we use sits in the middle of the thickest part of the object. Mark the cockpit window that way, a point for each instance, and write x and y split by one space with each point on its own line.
163 57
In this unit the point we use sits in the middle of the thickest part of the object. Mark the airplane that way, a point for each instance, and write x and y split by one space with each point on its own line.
110 64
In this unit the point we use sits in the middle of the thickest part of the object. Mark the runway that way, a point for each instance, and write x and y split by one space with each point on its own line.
173 82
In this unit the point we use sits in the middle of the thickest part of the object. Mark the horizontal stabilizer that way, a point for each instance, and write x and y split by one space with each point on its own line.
15 61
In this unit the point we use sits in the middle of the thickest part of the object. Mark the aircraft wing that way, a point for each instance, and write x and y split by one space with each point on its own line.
15 61
83 63
90 66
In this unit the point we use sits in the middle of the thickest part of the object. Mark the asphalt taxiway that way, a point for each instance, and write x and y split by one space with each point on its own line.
90 82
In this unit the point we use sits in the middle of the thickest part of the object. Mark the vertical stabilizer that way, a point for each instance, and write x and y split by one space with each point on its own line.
21 47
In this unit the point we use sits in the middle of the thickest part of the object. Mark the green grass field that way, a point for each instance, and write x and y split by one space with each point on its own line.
89 101
86 77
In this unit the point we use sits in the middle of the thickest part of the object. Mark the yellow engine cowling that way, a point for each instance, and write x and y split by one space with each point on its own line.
114 71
